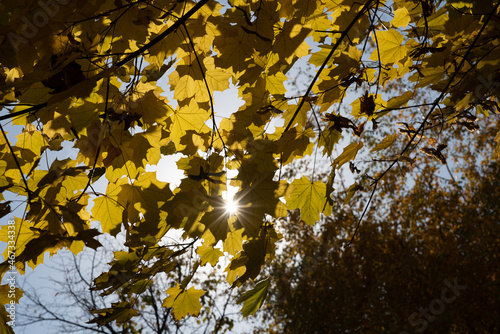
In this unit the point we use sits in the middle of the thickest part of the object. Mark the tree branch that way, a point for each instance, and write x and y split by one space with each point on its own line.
125 60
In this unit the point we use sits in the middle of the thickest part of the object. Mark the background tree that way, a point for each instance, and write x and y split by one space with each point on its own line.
88 75
424 257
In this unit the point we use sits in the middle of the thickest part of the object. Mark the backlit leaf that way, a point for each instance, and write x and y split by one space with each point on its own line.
349 153
209 254
401 18
390 46
253 299
274 83
307 196
107 211
183 302
386 142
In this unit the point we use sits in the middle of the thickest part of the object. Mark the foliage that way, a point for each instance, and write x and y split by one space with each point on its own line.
87 73
414 244
74 301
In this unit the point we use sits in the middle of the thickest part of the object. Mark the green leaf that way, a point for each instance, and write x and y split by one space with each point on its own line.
253 299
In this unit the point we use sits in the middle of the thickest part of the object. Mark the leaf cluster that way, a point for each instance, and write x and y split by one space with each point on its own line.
94 75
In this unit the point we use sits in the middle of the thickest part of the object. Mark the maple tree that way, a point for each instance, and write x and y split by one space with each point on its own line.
85 74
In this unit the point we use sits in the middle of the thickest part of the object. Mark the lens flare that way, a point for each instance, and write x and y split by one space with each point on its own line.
231 206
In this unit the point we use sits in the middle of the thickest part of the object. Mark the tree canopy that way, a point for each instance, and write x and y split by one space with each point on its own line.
87 75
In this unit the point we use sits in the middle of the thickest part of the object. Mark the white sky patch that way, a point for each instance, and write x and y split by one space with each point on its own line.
167 171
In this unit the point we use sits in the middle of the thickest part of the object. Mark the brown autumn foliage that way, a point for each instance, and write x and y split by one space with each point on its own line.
425 258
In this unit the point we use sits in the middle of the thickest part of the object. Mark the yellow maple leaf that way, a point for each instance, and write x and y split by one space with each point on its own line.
22 236
234 241
290 42
307 196
274 83
209 254
13 74
295 143
400 100
183 302
217 78
188 117
401 18
8 296
390 47
385 143
106 209
152 107
6 290
30 139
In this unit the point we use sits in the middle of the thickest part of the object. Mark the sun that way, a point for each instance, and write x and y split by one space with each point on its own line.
231 206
